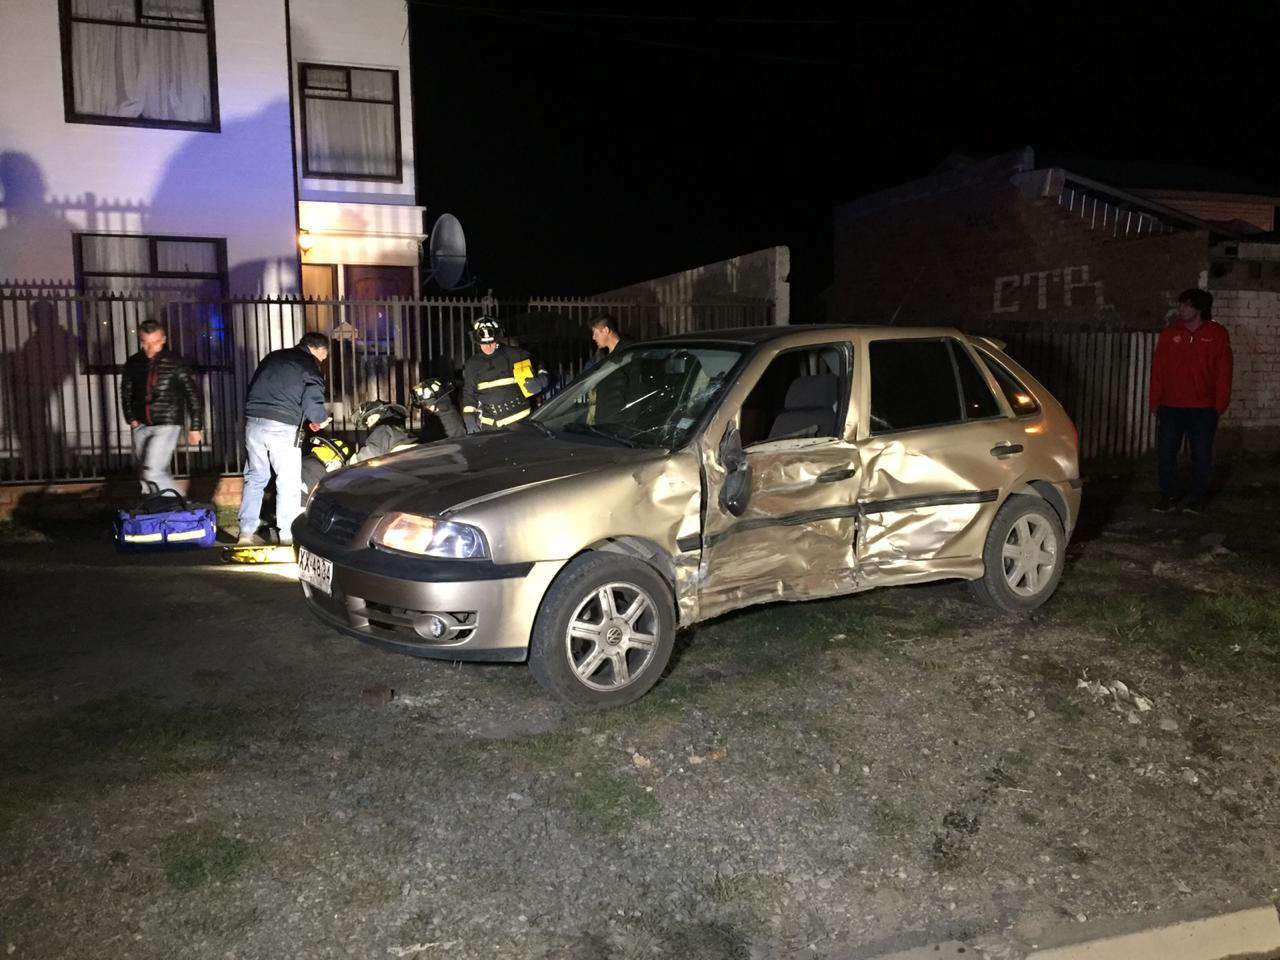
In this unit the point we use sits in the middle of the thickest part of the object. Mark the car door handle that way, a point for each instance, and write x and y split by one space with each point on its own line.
1006 449
836 473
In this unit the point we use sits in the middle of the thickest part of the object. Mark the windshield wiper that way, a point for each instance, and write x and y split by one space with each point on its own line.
593 430
545 431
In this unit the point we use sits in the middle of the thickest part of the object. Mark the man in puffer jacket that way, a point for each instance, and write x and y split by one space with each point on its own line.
158 394
286 392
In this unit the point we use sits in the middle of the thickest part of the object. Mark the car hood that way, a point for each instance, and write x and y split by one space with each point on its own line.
445 476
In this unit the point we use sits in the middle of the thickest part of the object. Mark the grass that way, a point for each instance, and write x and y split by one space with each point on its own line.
104 743
15 531
607 803
746 886
890 822
200 856
1235 632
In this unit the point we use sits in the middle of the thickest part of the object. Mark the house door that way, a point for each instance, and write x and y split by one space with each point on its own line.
371 344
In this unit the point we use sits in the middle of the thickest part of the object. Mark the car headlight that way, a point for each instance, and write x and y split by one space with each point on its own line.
429 537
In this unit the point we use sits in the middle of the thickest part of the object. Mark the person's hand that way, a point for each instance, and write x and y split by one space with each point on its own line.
134 424
195 437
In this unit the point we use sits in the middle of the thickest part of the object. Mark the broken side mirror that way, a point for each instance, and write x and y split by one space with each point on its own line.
735 492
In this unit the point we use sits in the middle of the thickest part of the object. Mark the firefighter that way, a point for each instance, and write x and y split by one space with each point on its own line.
385 423
433 397
499 382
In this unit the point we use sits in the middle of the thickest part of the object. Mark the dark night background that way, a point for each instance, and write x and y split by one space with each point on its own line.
587 146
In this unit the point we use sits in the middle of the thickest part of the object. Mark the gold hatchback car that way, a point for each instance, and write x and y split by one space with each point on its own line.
693 475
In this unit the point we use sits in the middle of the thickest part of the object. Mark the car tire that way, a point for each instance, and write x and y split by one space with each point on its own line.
1023 556
604 632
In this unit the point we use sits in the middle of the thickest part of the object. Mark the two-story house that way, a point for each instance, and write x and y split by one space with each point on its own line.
208 147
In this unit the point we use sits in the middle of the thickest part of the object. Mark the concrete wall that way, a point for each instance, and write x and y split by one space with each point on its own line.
762 275
1252 317
59 177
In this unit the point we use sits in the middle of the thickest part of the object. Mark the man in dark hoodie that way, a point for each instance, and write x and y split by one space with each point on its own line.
158 394
286 390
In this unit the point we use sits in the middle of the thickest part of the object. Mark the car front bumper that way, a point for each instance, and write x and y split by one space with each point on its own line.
480 610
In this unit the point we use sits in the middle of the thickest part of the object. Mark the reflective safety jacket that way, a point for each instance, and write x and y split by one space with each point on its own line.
496 389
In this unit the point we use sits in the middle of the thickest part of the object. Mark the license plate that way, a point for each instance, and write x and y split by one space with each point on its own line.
316 571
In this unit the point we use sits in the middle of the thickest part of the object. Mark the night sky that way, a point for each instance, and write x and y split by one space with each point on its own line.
586 146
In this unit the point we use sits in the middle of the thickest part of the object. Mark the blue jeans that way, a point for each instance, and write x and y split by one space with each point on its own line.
268 446
154 446
1198 425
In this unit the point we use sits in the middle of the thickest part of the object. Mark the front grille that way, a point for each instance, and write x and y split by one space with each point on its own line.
333 521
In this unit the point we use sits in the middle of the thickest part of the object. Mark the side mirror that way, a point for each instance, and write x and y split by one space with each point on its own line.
735 493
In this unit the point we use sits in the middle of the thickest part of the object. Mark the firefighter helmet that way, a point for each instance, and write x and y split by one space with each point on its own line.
372 412
486 330
429 392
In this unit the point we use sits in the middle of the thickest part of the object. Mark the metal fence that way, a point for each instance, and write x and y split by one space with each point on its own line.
62 354
1102 378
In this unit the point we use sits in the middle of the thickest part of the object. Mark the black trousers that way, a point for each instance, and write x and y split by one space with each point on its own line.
1198 425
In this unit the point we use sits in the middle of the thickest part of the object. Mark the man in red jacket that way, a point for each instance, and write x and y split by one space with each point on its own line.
1190 389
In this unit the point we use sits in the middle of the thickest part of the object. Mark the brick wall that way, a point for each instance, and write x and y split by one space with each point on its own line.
985 257
1252 317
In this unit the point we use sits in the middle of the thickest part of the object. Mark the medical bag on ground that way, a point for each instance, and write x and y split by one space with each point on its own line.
165 520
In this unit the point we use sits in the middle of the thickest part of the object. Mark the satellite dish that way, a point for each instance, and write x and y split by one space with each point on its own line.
447 252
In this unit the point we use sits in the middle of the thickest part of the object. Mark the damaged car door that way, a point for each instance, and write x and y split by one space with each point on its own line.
781 483
938 458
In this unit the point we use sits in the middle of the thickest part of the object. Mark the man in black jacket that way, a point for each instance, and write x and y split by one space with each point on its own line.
609 399
287 390
157 394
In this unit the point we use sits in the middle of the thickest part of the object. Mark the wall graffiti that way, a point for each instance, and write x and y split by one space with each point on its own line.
1067 286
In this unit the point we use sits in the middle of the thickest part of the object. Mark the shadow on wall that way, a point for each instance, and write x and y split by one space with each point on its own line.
32 225
33 377
210 169
248 165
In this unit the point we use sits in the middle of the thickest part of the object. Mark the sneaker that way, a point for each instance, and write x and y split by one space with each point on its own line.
250 540
1165 505
1194 506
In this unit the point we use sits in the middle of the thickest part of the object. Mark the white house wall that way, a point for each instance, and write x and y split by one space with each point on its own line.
358 221
367 33
363 233
61 177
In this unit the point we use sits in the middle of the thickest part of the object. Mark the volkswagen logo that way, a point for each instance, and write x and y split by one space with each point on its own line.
326 521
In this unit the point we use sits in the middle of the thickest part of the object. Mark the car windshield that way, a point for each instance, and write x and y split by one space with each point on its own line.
644 396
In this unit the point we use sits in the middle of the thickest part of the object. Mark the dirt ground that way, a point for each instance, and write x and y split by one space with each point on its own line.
190 765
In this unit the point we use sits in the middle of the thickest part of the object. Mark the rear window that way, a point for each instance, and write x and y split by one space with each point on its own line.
1019 397
913 384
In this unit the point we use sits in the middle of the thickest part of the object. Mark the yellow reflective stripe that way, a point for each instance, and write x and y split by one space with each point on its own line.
187 535
143 537
470 409
505 420
490 384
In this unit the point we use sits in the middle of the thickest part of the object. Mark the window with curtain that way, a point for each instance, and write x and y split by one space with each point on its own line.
140 63
350 123
177 280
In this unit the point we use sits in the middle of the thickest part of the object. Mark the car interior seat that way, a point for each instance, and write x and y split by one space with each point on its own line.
809 409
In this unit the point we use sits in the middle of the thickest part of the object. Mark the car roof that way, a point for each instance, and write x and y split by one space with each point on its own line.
751 336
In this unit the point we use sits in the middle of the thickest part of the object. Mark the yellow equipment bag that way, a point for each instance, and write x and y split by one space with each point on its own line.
523 372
